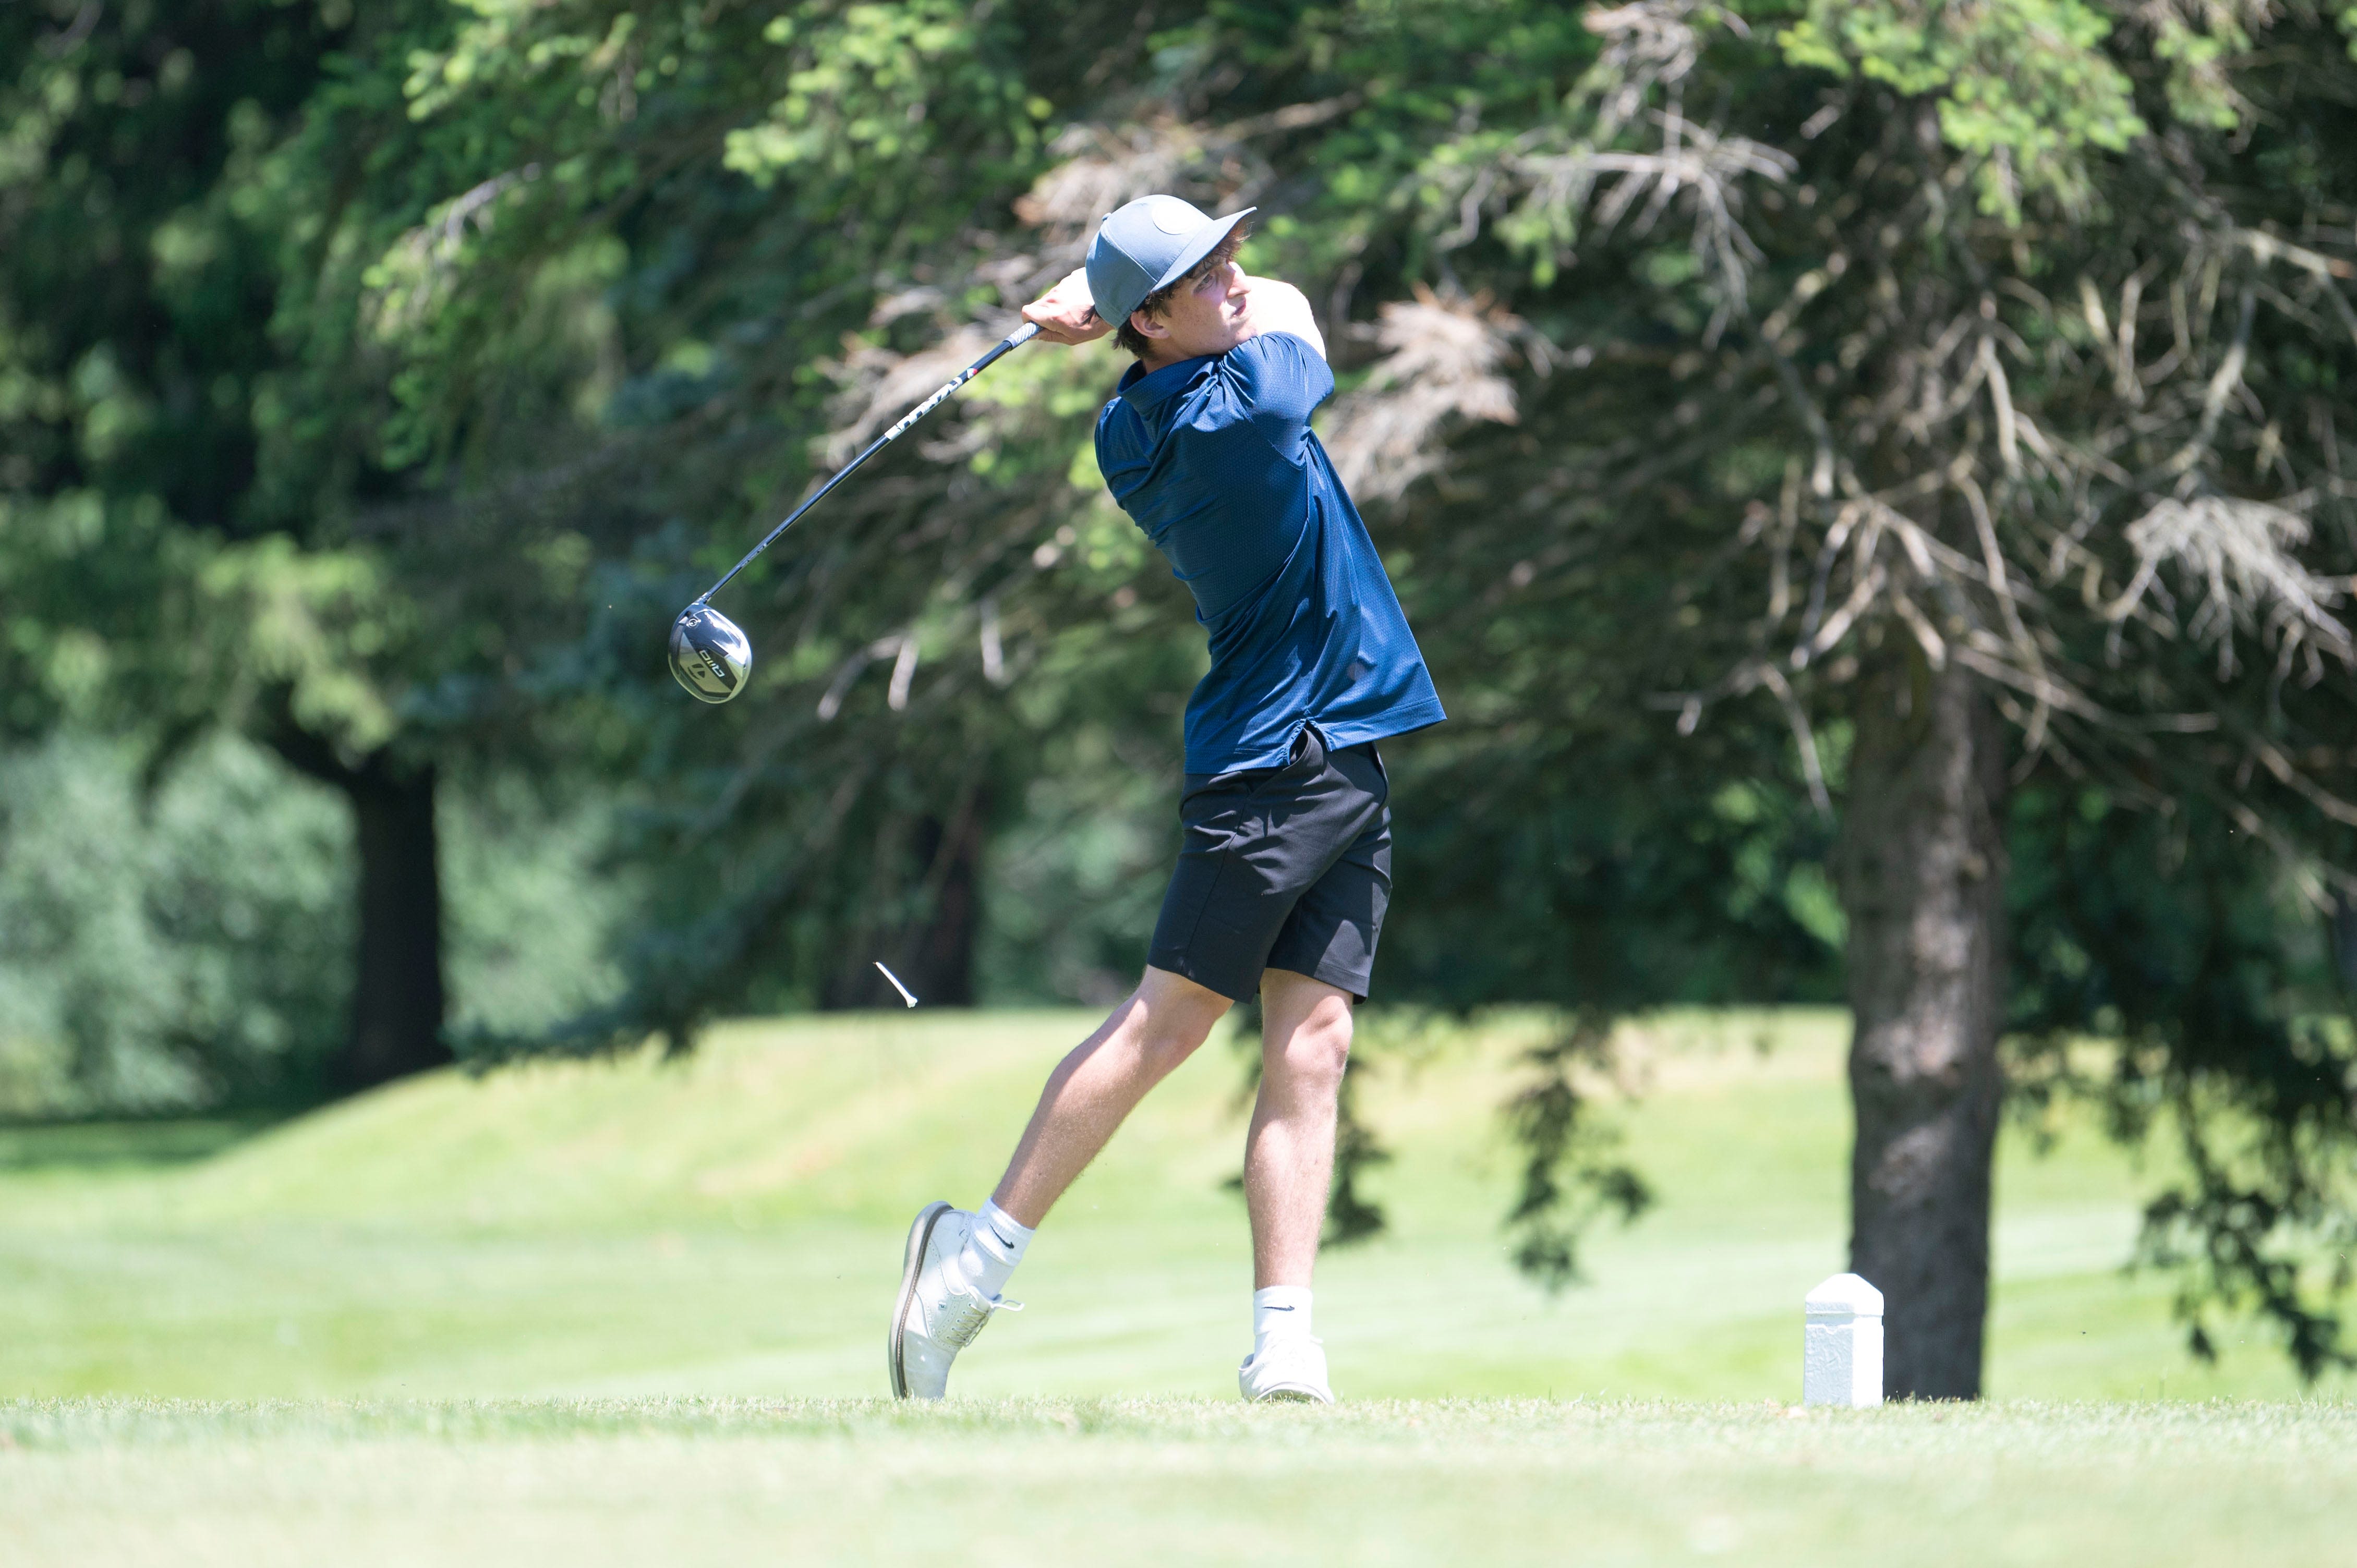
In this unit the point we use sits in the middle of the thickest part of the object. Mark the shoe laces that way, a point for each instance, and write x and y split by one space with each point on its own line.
964 1315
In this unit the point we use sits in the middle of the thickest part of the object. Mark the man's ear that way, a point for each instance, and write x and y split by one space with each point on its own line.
1148 325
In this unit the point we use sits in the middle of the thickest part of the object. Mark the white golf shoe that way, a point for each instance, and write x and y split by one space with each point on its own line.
939 1313
1290 1369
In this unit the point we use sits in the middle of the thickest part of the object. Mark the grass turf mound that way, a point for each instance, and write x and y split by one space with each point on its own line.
730 1225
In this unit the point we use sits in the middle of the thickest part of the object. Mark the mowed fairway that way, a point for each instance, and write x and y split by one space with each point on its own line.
671 1279
1178 1481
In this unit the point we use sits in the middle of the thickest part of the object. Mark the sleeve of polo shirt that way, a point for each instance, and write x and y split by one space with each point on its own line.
1282 380
1117 451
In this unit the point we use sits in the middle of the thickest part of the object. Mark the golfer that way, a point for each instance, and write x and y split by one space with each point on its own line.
1285 867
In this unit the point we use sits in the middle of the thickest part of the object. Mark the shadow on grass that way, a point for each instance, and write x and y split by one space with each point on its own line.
31 1146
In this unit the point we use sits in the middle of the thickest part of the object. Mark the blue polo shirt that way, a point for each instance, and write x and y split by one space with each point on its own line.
1214 458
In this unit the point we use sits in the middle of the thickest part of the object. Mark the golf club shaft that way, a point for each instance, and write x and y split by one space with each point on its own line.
1008 345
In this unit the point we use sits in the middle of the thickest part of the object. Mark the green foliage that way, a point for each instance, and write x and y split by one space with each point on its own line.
533 904
184 942
224 441
1075 880
1569 1176
868 87
2169 937
2032 91
166 951
2024 88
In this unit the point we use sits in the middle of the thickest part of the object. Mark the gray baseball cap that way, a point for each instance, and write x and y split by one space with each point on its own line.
1149 244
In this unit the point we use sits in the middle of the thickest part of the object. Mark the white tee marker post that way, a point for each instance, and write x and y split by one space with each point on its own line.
1841 1349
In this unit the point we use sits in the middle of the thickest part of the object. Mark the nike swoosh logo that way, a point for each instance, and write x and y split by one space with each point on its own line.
1002 1241
1276 1310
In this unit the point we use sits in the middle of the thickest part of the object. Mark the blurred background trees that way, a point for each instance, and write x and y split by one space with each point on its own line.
219 523
1867 478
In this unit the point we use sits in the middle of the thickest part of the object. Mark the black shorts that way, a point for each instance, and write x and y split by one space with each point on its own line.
1282 868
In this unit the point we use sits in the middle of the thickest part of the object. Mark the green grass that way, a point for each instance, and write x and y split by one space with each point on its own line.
730 1226
589 1483
634 1312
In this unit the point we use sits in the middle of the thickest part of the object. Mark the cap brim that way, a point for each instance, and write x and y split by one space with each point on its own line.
1204 242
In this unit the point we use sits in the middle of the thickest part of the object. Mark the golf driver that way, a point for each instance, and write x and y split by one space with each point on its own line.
709 655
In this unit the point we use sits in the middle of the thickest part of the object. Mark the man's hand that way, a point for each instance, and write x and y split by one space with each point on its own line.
1066 314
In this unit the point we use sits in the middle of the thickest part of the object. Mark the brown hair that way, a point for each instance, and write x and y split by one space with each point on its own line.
1158 304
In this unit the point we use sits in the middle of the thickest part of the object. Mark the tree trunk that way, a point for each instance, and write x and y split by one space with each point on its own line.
942 950
934 954
2341 931
1921 869
397 995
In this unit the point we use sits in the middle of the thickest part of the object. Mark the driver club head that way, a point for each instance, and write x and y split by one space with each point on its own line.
709 655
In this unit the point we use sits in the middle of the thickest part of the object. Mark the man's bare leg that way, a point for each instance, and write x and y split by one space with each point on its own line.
956 1263
1100 1083
1289 1152
1288 1165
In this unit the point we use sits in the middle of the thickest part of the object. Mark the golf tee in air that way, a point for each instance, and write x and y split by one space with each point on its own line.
895 978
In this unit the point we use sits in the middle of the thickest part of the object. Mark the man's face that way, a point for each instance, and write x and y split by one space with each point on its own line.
1208 314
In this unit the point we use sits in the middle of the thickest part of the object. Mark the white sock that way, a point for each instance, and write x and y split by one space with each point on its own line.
992 1250
1280 1312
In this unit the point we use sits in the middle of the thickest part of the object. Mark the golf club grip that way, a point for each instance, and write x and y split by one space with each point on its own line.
1006 345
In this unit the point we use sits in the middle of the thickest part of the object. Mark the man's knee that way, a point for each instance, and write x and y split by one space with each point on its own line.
1167 1043
1174 1016
1314 1054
